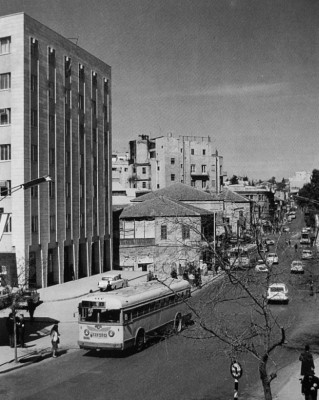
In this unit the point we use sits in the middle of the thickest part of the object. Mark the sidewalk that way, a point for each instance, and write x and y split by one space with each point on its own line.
287 385
60 304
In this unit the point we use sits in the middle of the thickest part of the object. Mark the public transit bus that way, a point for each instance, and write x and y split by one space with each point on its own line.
124 318
242 257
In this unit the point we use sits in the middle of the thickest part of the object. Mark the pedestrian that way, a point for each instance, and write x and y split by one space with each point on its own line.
174 274
309 387
307 364
10 329
191 278
108 287
296 247
55 339
21 330
31 308
289 241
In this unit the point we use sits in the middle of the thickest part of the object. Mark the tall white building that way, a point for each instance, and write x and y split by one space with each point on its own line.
55 119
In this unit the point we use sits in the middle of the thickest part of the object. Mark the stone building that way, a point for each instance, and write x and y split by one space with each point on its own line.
160 234
55 119
165 160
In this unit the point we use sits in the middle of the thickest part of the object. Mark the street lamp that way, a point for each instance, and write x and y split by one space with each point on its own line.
29 184
3 222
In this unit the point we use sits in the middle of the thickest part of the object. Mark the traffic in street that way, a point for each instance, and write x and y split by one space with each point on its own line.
181 366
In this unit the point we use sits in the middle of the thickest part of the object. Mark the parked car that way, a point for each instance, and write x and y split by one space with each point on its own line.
272 258
269 242
277 293
297 267
306 254
5 297
25 296
113 279
286 229
304 230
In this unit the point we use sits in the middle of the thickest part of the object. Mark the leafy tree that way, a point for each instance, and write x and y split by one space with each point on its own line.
234 180
308 197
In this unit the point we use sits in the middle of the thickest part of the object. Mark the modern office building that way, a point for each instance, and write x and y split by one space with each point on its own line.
55 119
165 160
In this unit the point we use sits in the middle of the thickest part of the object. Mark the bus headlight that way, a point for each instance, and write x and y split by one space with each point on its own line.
111 333
86 332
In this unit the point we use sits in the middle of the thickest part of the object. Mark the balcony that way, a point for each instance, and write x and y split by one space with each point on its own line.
199 175
138 242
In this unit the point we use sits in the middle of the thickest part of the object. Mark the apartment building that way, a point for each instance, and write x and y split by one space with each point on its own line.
121 170
165 160
55 119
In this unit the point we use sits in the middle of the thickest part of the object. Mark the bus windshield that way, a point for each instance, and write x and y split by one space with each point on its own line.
99 315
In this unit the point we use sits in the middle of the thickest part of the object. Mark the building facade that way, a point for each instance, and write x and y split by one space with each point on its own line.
55 119
162 161
161 234
300 179
121 170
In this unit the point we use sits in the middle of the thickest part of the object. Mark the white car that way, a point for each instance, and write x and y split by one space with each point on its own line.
269 242
304 230
277 292
297 267
111 281
272 258
286 229
306 254
261 266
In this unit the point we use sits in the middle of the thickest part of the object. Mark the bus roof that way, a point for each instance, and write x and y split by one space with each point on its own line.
131 295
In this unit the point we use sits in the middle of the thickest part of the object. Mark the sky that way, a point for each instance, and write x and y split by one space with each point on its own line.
244 72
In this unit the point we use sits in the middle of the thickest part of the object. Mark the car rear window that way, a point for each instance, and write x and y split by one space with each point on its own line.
276 289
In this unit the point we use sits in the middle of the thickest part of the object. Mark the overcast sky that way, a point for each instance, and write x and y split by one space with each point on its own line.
244 72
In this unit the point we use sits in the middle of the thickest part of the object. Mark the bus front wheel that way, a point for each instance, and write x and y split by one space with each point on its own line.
178 323
140 341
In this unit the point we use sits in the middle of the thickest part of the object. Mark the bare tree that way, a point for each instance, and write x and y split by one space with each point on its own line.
239 293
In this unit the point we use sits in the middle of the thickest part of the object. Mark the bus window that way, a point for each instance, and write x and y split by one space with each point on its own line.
127 316
110 316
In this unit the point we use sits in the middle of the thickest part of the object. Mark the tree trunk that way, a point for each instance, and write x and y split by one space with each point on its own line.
267 390
265 379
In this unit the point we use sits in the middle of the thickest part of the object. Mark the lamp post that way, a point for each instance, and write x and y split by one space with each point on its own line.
25 186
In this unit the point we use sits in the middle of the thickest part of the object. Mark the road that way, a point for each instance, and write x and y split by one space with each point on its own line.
177 367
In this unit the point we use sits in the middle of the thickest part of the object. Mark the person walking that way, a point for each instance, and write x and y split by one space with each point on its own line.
309 387
307 364
21 330
31 308
296 247
10 329
55 340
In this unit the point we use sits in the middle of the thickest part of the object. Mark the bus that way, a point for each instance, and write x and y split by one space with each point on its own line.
125 318
242 257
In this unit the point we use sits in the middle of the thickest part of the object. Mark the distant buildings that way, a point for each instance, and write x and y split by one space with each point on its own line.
55 119
261 199
159 162
299 180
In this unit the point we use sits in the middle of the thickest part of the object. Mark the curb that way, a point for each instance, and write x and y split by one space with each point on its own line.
42 354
